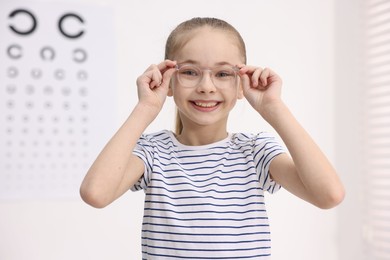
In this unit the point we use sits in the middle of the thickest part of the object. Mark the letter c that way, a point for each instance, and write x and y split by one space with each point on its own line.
29 14
66 34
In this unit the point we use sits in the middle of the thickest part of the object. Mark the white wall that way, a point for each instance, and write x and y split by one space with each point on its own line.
295 38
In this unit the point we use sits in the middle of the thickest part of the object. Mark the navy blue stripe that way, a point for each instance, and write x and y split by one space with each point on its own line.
206 197
242 154
266 166
207 242
265 155
203 204
202 168
207 250
206 185
182 154
250 173
178 171
200 227
205 234
211 190
208 257
203 161
148 166
206 211
205 219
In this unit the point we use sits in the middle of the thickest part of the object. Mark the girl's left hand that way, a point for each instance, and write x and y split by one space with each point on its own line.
261 87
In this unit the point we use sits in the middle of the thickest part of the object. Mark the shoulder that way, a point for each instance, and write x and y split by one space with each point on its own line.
160 138
253 138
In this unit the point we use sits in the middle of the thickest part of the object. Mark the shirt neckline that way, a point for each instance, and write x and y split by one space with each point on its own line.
199 147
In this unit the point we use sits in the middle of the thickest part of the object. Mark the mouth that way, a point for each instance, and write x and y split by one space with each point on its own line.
205 105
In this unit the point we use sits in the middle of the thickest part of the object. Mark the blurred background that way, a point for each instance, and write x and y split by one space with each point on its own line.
67 82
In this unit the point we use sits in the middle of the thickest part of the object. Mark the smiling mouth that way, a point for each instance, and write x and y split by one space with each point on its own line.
205 104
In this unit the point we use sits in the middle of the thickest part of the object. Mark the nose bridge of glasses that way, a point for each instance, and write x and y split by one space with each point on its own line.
210 73
202 80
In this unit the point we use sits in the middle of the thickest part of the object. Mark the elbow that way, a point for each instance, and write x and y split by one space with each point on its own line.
91 197
332 199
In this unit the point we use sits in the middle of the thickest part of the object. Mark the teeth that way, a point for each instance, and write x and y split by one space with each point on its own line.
200 104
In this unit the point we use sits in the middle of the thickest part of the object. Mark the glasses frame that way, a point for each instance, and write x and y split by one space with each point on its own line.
203 70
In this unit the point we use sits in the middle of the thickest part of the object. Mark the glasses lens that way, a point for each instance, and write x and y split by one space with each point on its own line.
224 77
189 76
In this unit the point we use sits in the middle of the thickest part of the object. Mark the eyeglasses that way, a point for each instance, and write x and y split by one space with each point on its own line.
189 76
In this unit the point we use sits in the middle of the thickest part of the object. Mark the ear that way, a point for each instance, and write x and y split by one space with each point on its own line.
240 91
170 91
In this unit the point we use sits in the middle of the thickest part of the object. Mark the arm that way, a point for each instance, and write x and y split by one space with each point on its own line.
116 169
307 173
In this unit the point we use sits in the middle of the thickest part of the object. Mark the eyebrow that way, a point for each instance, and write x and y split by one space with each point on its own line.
221 63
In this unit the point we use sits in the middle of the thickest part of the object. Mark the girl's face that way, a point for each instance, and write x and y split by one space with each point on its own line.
206 104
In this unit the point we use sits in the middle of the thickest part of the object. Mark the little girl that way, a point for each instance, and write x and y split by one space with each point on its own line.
205 186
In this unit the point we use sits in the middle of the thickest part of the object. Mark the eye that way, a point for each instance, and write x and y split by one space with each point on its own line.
224 73
189 72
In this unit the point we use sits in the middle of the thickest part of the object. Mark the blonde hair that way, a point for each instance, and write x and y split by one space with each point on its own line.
177 39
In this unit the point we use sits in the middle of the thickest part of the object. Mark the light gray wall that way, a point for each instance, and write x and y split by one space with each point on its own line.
295 38
349 75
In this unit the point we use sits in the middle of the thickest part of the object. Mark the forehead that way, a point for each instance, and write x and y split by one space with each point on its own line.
208 46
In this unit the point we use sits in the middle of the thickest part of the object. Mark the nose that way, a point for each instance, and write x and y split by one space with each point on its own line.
206 84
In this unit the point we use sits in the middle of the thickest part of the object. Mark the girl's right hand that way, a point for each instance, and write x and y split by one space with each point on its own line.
153 84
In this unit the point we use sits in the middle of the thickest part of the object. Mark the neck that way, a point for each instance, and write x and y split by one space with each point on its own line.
201 135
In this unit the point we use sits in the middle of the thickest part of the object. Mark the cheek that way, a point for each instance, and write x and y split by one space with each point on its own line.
179 96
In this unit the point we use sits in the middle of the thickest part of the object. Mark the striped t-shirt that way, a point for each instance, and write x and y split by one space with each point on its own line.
206 202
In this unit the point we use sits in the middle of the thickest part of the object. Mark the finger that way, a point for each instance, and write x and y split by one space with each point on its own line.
147 77
162 66
164 77
264 76
240 66
255 77
253 72
165 65
156 78
167 68
167 76
154 84
247 70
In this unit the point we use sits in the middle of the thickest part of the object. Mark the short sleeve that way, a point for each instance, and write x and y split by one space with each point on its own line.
265 149
144 150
